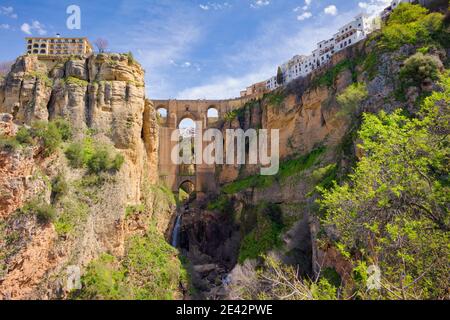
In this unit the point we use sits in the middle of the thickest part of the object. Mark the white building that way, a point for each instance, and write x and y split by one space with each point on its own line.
353 32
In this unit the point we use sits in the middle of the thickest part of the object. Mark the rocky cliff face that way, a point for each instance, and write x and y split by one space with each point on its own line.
315 134
102 97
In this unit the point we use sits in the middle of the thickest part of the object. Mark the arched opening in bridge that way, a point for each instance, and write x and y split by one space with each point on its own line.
187 128
186 191
162 114
213 115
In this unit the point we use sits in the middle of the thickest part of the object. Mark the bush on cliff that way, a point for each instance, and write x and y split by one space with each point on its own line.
411 24
150 270
394 210
419 68
94 156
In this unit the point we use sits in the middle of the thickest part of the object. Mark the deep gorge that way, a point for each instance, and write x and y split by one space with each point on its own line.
85 180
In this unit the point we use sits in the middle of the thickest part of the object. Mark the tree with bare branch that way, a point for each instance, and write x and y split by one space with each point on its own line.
101 44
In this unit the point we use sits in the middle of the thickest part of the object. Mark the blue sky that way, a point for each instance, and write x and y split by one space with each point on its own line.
189 49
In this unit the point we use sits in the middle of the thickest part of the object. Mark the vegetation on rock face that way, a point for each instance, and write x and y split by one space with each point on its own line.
352 97
276 281
411 24
419 68
49 135
266 232
394 212
150 270
94 156
287 169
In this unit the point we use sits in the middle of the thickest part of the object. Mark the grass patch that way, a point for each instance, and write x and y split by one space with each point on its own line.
76 81
134 210
274 98
328 79
43 77
288 169
74 213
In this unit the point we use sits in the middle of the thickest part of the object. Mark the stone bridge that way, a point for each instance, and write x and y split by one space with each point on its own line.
201 176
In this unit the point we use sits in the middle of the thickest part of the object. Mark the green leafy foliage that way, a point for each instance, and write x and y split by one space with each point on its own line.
418 68
328 79
76 81
351 99
59 186
394 210
49 135
96 157
73 213
44 212
411 24
150 270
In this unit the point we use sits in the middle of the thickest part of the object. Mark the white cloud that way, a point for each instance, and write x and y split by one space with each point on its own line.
259 63
214 6
372 7
5 26
304 16
331 10
26 28
259 3
35 26
9 12
223 87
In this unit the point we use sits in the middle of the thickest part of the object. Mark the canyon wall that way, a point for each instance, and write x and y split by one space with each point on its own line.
102 97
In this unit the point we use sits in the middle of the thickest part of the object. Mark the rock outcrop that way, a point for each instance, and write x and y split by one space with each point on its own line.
102 96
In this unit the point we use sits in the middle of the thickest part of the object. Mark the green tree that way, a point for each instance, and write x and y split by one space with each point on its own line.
394 210
418 68
280 78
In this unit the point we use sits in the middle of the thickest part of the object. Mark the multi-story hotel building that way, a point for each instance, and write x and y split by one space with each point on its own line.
353 32
58 46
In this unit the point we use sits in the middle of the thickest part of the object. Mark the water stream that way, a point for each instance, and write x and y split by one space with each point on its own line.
176 232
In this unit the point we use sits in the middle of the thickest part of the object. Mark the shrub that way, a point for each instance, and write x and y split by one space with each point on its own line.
8 143
24 136
411 24
97 158
133 210
418 68
117 162
64 128
48 134
44 212
59 186
150 270
99 162
74 212
75 155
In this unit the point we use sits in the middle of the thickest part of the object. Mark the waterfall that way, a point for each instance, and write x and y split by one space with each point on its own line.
176 232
